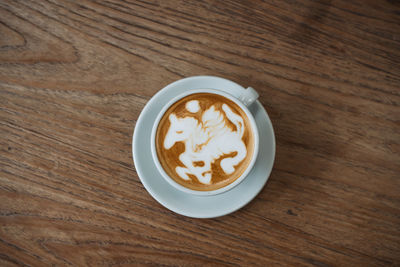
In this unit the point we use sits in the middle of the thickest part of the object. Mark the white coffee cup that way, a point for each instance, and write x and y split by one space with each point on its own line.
247 97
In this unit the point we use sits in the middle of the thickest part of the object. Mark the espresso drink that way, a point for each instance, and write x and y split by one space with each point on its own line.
204 141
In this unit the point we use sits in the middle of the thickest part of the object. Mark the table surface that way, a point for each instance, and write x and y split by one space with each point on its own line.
75 75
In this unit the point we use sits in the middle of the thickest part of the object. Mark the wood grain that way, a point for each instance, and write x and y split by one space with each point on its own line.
75 75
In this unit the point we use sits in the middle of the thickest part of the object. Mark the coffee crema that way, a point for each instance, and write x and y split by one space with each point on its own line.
204 141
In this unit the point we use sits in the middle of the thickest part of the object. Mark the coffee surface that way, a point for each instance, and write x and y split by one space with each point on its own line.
204 141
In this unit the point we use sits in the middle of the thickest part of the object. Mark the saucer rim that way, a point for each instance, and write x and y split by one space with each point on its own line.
148 187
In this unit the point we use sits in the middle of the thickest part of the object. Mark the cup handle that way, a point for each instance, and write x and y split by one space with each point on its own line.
248 96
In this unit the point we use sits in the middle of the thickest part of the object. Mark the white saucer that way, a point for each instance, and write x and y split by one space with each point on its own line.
188 204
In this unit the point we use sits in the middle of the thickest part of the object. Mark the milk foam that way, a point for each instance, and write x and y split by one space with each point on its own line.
206 141
193 106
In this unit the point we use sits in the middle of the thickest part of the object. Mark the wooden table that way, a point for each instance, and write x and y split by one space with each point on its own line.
75 75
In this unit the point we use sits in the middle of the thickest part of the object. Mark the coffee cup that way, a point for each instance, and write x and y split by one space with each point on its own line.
205 141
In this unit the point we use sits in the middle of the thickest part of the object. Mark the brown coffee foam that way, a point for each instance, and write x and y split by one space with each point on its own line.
169 159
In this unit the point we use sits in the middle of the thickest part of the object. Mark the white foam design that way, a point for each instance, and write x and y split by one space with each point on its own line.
193 106
206 141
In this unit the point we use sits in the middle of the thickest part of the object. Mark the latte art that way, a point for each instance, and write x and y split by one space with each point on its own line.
204 141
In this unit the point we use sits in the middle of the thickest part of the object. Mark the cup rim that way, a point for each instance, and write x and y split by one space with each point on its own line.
219 190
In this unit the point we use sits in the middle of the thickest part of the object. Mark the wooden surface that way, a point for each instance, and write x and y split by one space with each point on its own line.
75 75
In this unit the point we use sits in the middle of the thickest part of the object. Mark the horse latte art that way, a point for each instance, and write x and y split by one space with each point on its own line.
204 141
